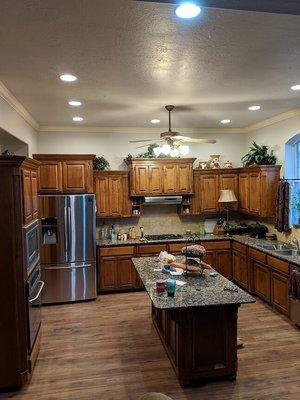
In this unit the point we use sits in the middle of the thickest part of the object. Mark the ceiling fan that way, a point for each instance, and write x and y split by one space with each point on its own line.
172 143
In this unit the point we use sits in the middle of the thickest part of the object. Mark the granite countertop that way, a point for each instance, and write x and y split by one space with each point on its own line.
243 239
108 242
198 291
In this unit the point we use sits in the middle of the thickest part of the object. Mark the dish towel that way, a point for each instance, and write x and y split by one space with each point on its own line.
282 207
295 285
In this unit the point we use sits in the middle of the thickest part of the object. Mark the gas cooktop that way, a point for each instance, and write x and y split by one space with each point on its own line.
167 236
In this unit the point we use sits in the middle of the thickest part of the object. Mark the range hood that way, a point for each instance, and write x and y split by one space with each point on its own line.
152 200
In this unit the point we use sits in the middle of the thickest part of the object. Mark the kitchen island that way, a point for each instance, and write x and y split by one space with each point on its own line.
198 326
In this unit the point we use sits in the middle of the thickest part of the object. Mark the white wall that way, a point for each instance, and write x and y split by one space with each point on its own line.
13 123
115 146
276 136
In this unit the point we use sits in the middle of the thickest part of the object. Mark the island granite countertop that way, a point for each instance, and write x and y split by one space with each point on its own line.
198 291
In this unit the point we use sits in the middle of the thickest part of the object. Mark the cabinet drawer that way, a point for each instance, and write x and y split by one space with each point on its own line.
277 264
216 245
239 247
116 251
176 247
257 255
151 248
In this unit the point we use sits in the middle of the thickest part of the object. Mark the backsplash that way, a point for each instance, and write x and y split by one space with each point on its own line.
157 220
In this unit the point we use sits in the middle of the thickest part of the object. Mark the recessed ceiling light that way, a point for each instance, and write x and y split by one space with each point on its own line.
295 87
188 10
225 121
77 119
254 108
155 121
75 103
68 78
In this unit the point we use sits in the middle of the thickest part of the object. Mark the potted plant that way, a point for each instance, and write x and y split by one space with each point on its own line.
259 155
100 164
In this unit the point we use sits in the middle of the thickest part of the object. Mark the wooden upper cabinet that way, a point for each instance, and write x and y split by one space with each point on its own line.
101 183
161 176
27 198
184 178
62 173
170 179
34 194
112 194
255 193
50 177
209 192
155 179
244 192
229 181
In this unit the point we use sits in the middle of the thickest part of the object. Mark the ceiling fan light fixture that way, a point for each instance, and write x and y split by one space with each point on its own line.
157 151
187 10
174 152
166 148
183 149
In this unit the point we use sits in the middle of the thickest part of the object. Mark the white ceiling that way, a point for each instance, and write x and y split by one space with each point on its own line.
131 58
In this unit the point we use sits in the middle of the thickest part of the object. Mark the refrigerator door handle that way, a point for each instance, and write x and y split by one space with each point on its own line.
66 233
69 233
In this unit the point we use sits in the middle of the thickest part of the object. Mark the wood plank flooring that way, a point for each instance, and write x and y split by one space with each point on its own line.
108 350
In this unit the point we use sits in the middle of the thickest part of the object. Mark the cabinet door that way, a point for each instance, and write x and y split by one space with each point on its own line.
108 273
155 179
224 262
229 181
141 179
27 197
102 195
244 279
76 177
115 196
184 178
244 192
261 281
126 201
254 193
50 177
209 193
34 194
236 266
195 198
127 278
210 258
169 179
279 292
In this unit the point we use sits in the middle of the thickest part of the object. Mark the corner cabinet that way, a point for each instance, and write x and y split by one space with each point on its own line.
112 194
165 176
65 173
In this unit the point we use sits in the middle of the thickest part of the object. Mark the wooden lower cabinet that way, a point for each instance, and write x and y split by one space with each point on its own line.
240 270
117 272
280 292
261 280
224 263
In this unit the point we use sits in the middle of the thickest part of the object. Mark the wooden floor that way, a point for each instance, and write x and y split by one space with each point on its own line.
109 350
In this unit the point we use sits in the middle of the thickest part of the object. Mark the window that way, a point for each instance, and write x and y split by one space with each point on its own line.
292 172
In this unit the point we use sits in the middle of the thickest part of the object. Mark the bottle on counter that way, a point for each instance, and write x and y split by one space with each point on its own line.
142 233
133 234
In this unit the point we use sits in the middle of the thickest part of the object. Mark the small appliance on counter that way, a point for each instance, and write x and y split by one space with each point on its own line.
258 230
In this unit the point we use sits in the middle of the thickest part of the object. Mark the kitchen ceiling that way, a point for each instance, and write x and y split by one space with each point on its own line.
131 58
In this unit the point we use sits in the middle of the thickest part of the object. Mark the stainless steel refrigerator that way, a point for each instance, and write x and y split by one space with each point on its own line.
68 247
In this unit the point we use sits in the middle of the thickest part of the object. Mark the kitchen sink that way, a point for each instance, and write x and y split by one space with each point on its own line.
288 252
275 246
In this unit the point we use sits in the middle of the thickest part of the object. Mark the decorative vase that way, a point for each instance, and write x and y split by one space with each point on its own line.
202 164
228 164
215 161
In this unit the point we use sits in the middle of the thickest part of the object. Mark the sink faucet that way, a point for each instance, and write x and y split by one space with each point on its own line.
294 242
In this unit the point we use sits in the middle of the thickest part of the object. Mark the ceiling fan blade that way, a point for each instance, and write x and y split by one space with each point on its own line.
140 141
145 145
194 140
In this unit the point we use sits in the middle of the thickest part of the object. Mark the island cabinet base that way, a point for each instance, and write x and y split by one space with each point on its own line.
200 342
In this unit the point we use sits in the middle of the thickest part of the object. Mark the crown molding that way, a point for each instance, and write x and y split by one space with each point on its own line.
133 130
17 106
273 120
